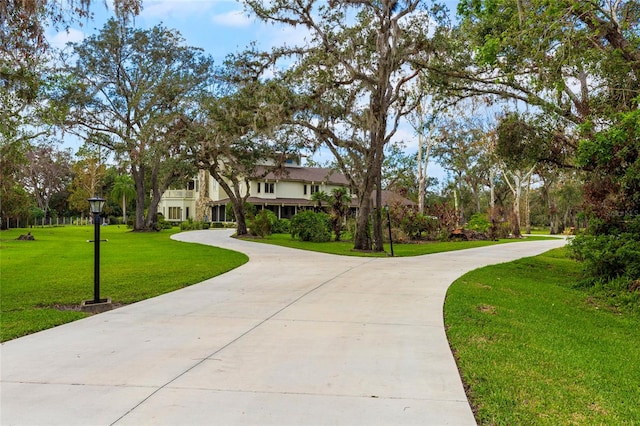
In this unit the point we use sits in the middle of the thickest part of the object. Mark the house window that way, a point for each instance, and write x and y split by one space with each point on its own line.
269 188
258 187
175 213
315 188
305 190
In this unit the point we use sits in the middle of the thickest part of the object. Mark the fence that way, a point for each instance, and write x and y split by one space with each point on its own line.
45 222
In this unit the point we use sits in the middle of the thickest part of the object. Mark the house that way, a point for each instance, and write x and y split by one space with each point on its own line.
284 193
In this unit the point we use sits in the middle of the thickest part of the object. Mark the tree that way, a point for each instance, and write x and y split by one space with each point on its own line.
424 124
351 76
89 172
575 64
25 78
47 172
24 56
398 171
319 197
14 200
136 88
461 150
517 147
24 75
123 190
239 134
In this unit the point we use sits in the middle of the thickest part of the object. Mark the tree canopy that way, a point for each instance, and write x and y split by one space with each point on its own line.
137 89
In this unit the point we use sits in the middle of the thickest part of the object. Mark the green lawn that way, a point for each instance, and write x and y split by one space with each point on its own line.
535 350
345 248
43 280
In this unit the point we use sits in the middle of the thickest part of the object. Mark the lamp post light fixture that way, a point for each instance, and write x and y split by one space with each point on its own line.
96 204
386 208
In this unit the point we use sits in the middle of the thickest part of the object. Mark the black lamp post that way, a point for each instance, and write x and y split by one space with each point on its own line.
96 204
386 208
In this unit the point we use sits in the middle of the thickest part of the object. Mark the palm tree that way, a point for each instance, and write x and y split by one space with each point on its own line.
319 197
123 189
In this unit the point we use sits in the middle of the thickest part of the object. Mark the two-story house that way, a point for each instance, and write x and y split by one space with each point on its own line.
285 193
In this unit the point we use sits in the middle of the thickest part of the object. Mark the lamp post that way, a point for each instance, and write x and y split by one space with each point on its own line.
386 208
96 204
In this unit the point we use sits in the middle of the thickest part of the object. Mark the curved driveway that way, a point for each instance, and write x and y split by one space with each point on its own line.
290 338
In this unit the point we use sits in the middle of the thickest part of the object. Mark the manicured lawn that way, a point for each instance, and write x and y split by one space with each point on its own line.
532 349
345 248
42 281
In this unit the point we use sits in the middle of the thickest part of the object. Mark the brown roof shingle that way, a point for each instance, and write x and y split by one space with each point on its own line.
307 174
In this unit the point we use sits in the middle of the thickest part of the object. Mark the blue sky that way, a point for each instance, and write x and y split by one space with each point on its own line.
220 27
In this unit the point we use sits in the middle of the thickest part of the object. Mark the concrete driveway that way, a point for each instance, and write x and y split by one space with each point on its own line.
290 338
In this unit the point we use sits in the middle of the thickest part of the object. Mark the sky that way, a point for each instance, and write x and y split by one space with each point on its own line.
220 27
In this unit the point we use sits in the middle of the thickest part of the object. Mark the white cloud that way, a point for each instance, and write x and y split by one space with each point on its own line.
61 38
167 9
232 18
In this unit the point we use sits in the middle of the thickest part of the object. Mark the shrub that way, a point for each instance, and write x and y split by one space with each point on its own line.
162 223
310 226
262 223
608 256
479 222
412 223
281 226
190 225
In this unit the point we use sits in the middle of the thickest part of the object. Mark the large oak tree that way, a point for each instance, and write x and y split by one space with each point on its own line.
352 74
240 133
137 89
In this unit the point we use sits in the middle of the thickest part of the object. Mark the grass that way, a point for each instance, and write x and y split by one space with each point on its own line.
44 281
533 349
345 248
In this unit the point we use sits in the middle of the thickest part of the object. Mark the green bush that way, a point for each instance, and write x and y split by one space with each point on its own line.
281 226
162 223
311 226
190 225
479 222
608 256
262 223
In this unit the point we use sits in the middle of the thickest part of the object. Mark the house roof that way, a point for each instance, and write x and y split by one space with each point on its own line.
300 202
306 174
391 198
388 197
